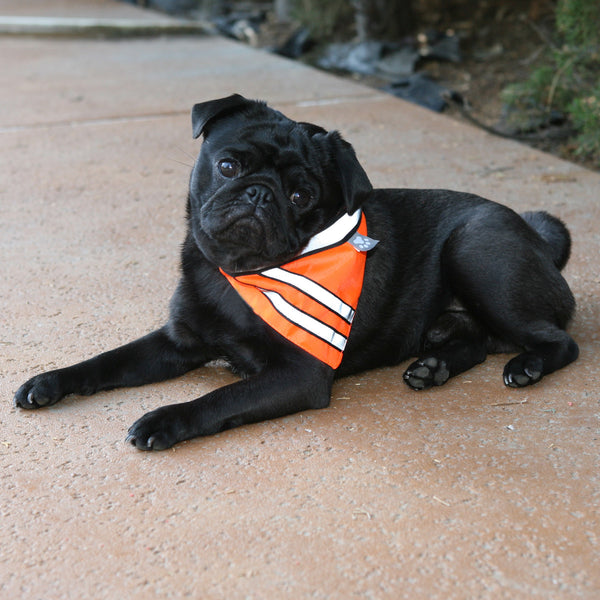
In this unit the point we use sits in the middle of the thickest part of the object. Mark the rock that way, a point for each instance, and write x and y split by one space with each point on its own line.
296 45
243 26
398 63
422 90
445 46
353 57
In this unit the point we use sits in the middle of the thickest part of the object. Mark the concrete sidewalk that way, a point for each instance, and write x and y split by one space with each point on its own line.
472 490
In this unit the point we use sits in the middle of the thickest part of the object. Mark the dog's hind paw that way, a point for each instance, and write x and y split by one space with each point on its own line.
524 369
426 372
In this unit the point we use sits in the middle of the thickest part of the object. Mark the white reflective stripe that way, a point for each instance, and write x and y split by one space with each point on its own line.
312 325
334 233
314 290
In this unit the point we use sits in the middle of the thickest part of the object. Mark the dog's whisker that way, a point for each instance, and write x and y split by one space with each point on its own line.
179 162
186 152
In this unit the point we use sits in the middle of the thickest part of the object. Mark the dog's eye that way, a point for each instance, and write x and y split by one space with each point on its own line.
229 167
301 198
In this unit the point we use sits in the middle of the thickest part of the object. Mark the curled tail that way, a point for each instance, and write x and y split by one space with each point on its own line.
554 232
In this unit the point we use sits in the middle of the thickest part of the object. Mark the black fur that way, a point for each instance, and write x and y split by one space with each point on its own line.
453 278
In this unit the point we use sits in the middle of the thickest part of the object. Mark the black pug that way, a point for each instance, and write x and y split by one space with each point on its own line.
295 271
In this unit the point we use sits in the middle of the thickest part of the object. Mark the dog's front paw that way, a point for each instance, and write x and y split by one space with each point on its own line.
158 430
426 372
524 369
41 390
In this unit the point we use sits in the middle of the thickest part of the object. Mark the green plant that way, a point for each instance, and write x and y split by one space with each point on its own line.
568 81
325 19
579 22
585 113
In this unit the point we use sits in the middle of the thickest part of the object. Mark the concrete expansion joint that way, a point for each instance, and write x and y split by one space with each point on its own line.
94 122
92 26
374 97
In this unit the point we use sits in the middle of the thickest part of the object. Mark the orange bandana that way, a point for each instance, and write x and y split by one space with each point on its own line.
312 299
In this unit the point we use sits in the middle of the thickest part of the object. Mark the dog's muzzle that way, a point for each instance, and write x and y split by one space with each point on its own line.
242 221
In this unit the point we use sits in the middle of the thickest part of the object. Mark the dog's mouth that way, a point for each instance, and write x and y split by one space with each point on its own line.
236 227
241 240
243 229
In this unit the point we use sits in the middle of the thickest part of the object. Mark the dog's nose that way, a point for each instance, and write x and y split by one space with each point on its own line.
258 194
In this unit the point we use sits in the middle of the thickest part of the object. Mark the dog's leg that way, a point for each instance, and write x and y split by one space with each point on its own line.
504 275
278 391
154 357
454 344
541 357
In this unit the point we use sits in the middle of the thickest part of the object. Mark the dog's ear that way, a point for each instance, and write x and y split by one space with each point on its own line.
205 112
354 182
311 128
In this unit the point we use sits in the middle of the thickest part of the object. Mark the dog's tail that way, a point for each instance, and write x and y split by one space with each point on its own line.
554 232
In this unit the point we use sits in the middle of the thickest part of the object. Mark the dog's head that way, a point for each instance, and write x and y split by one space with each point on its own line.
263 184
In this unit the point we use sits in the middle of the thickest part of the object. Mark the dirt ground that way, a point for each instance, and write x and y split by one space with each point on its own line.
501 44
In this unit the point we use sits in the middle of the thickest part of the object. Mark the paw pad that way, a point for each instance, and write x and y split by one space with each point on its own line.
425 373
